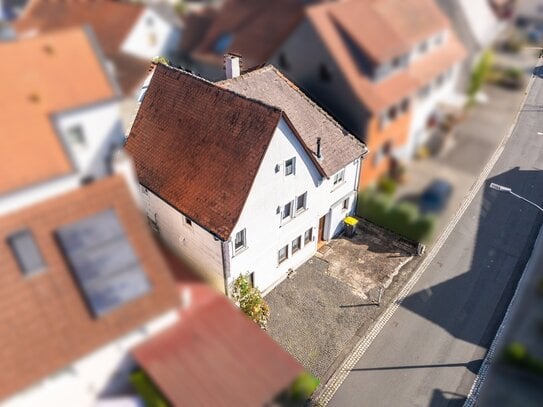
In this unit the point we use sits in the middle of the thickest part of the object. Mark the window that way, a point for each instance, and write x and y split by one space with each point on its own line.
282 255
324 73
251 279
339 177
423 47
301 202
308 235
296 244
440 80
240 242
223 43
188 221
144 190
392 113
290 166
287 211
283 62
404 107
26 252
346 204
76 136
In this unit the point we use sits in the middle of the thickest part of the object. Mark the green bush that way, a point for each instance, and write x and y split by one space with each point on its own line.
249 300
402 218
147 390
479 74
387 186
303 387
517 355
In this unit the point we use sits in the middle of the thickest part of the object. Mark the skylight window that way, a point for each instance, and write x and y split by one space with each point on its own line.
26 252
223 43
103 262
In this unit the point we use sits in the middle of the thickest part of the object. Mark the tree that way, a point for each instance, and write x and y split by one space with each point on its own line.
249 300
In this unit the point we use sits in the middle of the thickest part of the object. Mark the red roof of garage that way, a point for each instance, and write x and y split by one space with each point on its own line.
217 357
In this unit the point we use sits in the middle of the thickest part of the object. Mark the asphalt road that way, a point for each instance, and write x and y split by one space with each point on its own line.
430 350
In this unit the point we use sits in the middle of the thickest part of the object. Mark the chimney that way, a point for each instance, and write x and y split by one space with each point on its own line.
232 65
319 155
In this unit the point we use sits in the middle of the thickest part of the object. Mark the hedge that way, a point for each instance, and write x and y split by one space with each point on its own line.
402 218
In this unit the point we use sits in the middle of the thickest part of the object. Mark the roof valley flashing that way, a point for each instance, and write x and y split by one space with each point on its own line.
180 131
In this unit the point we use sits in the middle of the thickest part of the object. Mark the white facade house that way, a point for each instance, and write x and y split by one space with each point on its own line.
304 185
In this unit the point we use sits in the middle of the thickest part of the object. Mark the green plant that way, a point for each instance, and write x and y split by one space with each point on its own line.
479 74
147 390
387 186
303 387
249 300
517 355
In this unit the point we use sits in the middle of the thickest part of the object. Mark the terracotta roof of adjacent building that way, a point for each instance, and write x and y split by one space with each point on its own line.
257 29
110 20
217 357
383 30
41 77
268 85
199 146
45 323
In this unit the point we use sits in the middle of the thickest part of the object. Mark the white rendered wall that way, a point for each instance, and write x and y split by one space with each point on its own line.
103 133
265 232
193 243
97 375
423 108
151 36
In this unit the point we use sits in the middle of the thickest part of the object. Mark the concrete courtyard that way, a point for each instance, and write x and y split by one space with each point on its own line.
321 310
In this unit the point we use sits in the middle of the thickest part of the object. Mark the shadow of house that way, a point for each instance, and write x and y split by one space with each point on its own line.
506 231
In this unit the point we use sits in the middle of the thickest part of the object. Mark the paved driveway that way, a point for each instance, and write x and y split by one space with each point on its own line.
320 312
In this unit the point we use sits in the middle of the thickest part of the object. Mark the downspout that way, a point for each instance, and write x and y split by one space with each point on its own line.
225 251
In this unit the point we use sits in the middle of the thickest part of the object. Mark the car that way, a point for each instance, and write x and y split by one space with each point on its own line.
434 198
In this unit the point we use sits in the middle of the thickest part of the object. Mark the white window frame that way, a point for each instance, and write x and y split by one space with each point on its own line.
310 232
74 141
243 233
300 209
283 211
297 240
293 171
346 204
279 259
188 221
339 177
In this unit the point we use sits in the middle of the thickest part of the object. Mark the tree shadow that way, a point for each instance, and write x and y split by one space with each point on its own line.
506 231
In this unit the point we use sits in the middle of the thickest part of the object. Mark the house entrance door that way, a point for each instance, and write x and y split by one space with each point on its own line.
321 241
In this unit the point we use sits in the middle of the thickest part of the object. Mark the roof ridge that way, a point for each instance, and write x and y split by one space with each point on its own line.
314 104
216 86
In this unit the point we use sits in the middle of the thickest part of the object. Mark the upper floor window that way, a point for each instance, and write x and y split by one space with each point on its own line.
423 47
404 106
76 135
287 211
222 43
290 166
301 202
440 38
324 73
240 240
339 177
424 92
188 221
26 252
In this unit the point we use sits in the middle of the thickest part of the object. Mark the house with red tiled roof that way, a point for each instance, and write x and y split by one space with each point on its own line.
130 34
380 67
59 118
245 176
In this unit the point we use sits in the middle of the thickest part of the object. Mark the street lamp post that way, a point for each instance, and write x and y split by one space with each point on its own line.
501 188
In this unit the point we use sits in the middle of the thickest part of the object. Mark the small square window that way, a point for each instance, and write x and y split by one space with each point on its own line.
26 252
296 244
346 204
308 235
339 177
282 255
240 242
188 221
287 210
301 202
290 166
76 135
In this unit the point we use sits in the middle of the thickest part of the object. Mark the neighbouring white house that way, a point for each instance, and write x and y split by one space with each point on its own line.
61 112
245 176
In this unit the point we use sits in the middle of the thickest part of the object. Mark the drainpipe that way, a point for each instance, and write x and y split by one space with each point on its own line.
225 251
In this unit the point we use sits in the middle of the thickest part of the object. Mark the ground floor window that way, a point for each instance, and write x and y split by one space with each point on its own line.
282 254
296 244
308 235
346 204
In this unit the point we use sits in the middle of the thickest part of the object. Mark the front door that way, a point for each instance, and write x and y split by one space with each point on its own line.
320 240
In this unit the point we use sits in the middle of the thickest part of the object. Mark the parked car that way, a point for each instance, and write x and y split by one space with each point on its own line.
435 197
